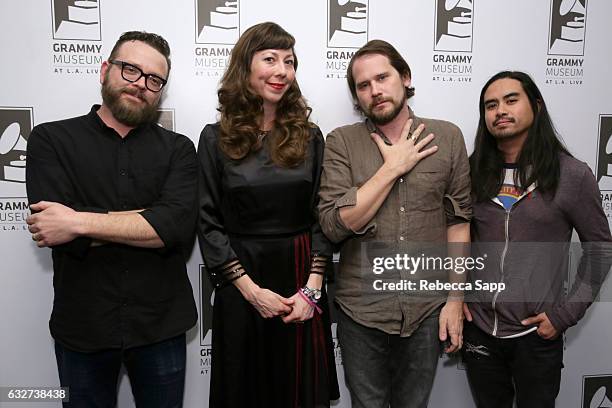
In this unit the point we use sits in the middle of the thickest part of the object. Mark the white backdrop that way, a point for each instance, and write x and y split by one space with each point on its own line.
52 49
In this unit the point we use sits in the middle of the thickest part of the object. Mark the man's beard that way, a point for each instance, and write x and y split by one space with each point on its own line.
125 112
384 117
504 134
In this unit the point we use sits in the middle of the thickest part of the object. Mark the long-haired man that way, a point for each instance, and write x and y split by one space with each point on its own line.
530 194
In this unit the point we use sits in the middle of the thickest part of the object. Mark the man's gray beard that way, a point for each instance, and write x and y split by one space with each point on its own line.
123 112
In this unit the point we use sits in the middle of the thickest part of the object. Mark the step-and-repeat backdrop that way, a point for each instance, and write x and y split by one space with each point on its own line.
51 55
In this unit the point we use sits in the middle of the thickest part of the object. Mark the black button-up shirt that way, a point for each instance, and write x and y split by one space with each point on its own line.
115 295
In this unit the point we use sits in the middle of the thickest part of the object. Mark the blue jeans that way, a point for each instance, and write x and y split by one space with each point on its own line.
527 366
156 372
383 370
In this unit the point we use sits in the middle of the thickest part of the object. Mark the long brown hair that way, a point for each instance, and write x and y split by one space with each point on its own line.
241 108
538 161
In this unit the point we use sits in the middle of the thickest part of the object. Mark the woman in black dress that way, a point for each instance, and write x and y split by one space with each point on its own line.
259 234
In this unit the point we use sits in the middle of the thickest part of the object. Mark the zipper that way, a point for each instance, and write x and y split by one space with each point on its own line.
504 252
501 267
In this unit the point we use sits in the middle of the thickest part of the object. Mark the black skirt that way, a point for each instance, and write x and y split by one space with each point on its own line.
266 363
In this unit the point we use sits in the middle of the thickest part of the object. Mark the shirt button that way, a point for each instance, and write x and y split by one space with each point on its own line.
402 209
122 172
401 238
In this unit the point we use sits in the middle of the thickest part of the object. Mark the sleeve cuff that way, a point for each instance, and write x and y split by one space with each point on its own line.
555 319
162 227
318 263
454 213
227 273
562 318
349 199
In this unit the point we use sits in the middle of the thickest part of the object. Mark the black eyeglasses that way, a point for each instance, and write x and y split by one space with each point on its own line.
132 73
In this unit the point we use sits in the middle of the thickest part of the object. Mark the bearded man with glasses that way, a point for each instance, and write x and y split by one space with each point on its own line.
114 196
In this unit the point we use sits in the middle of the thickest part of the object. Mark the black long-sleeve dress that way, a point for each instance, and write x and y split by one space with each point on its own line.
264 216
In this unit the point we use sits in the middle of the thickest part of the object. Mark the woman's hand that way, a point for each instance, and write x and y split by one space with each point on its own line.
302 310
269 304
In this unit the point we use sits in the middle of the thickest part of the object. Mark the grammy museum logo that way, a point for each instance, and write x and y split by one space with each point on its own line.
566 41
604 163
453 40
15 126
347 31
207 299
217 28
77 47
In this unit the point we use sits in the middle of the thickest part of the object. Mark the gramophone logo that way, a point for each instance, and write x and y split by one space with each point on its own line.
597 391
207 297
15 128
567 27
76 20
604 154
347 23
166 119
452 57
454 22
604 164
217 21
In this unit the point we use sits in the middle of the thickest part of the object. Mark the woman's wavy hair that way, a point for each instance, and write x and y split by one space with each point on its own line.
538 161
241 108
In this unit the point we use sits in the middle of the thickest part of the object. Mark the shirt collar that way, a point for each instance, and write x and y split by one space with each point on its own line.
94 118
97 120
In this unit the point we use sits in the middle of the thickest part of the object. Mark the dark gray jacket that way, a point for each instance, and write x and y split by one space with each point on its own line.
527 248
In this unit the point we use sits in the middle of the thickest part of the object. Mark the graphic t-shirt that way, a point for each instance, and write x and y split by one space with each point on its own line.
509 192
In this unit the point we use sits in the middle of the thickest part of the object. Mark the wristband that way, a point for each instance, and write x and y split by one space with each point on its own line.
310 302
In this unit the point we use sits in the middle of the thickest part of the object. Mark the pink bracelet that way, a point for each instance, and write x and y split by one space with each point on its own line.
310 302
